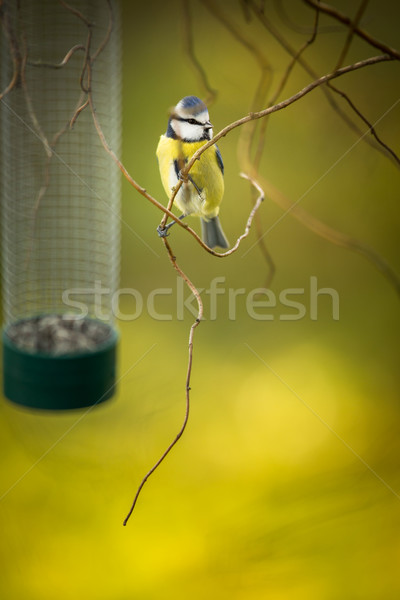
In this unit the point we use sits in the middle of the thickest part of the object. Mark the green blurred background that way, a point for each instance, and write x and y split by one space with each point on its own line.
286 483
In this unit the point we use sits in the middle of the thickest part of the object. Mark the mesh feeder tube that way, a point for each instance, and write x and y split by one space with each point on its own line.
60 201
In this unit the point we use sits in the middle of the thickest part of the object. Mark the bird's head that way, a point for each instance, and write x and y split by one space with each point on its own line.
190 121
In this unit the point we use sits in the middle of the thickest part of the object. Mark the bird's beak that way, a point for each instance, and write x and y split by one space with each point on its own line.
208 125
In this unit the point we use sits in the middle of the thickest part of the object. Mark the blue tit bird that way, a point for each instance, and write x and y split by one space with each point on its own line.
201 194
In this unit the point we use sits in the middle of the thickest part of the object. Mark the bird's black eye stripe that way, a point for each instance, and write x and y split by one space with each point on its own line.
191 121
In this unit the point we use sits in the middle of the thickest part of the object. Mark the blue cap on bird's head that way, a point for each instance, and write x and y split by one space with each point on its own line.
191 105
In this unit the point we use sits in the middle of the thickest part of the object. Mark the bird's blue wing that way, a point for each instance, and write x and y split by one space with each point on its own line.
219 159
177 169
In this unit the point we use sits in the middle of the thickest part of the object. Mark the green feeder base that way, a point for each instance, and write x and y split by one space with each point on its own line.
62 382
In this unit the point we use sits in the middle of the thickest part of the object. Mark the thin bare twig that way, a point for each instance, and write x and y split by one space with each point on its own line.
326 90
19 58
247 227
261 143
60 65
237 33
87 65
295 59
329 10
248 132
189 50
325 231
259 100
339 63
350 35
107 36
371 128
280 9
285 103
29 105
196 323
250 218
81 107
11 85
77 13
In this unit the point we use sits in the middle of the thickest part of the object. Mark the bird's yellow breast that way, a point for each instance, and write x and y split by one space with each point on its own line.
206 176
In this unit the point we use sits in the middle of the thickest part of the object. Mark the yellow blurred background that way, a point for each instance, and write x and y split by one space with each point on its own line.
286 483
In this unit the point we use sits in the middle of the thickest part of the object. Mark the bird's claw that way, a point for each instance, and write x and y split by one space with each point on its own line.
162 231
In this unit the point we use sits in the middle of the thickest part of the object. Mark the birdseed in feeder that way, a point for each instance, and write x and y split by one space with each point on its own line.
59 334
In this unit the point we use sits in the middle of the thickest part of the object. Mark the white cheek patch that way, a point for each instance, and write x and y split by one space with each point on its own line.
187 131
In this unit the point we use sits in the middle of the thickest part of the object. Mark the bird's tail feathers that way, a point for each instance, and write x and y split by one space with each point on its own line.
213 234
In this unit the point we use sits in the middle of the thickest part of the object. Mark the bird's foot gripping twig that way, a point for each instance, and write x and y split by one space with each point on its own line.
163 231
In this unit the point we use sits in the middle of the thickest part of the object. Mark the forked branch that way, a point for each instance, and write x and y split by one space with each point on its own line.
332 12
195 324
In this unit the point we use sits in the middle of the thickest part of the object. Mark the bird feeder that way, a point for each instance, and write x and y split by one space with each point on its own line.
60 195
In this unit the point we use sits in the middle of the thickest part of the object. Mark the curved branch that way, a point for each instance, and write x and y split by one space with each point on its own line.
237 33
76 12
189 49
326 232
30 108
285 18
262 113
196 323
332 12
371 128
107 36
350 35
326 90
256 206
71 52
